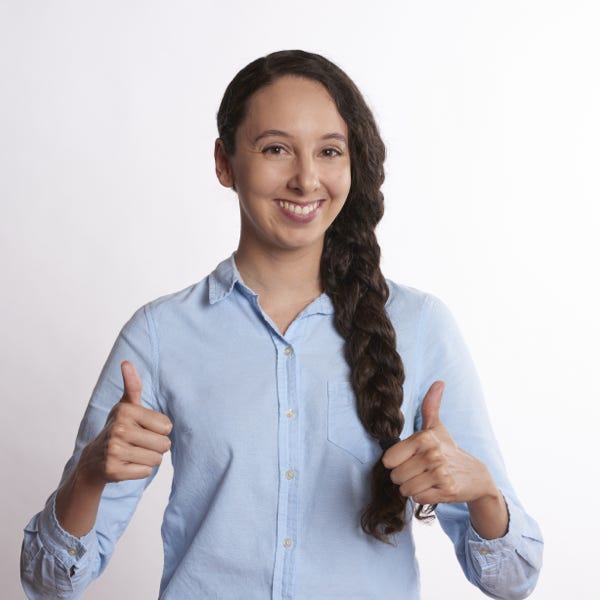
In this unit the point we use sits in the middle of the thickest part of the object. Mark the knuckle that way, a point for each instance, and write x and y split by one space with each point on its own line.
441 472
119 429
426 438
113 447
434 455
443 477
452 490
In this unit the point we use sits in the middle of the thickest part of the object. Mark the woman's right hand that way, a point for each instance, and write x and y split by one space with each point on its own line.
132 442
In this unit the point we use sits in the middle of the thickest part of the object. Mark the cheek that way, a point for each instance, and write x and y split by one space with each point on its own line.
262 178
341 183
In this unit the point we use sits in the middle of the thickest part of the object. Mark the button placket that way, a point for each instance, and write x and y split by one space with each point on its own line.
289 440
290 474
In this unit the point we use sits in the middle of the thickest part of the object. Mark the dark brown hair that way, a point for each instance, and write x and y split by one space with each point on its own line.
350 272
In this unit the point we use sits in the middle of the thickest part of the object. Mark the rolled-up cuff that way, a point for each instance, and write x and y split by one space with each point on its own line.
69 550
511 562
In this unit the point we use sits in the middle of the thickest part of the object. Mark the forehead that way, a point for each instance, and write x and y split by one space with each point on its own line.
293 104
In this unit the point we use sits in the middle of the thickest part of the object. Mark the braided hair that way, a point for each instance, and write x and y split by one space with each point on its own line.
350 272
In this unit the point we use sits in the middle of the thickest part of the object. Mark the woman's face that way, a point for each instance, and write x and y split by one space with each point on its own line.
291 166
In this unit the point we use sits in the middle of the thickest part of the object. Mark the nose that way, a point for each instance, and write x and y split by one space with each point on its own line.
305 176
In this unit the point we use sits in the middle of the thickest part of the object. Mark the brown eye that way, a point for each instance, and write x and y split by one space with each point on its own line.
331 152
274 150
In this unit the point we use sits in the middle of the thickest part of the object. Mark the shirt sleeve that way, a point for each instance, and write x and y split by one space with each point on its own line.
506 568
55 564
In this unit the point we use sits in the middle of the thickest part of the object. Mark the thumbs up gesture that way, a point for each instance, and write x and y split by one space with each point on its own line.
132 442
133 439
429 466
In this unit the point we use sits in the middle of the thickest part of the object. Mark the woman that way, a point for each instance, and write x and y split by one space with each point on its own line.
277 383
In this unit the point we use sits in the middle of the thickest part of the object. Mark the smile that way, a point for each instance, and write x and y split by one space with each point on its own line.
299 209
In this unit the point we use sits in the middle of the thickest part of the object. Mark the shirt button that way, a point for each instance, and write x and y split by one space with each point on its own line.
287 543
290 474
484 551
288 350
72 551
291 413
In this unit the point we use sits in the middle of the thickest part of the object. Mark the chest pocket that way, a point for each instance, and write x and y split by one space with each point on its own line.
344 428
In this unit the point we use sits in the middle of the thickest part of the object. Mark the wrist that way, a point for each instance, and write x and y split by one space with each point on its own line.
78 498
489 515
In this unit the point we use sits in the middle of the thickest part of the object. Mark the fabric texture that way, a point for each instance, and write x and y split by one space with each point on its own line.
271 463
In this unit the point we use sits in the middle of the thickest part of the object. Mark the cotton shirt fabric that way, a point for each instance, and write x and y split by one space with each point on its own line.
271 462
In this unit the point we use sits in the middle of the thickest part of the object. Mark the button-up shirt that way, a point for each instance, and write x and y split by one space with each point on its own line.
271 464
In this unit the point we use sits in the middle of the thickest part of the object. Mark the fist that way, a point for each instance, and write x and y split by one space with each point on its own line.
429 466
133 440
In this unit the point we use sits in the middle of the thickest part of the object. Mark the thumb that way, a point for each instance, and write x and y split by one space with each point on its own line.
430 408
132 383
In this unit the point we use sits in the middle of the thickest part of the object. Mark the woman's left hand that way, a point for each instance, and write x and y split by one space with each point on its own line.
429 466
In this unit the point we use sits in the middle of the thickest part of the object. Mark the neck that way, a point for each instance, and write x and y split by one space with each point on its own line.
290 275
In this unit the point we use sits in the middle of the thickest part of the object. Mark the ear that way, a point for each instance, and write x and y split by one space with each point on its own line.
223 165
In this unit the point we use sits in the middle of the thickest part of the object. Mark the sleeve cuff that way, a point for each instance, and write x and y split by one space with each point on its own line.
488 553
69 550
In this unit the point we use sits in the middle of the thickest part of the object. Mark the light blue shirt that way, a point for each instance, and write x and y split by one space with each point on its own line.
271 463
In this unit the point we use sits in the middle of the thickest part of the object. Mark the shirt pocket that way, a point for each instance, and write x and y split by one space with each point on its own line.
344 428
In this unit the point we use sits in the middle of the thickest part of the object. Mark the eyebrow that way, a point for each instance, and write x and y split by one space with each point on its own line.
285 134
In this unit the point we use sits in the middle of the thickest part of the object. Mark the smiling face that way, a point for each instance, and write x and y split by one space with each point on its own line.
290 168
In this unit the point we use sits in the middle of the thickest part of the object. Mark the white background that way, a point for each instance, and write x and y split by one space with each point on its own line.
490 112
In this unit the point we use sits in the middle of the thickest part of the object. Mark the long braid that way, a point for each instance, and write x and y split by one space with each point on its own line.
351 276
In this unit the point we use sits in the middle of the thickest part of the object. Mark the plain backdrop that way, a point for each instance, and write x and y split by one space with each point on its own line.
490 115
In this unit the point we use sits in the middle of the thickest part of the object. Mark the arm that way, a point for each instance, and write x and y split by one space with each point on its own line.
131 443
116 455
453 461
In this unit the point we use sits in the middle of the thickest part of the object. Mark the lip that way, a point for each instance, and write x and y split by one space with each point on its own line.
285 205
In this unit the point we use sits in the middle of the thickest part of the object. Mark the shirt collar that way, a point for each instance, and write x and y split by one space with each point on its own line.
225 277
222 280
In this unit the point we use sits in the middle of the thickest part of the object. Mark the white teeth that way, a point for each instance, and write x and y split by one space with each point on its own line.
297 209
